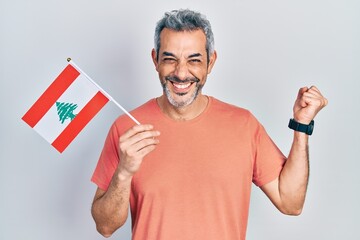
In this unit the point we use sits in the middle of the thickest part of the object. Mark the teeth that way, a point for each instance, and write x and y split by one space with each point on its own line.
182 86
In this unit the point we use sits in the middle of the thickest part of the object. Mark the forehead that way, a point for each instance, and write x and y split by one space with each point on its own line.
193 41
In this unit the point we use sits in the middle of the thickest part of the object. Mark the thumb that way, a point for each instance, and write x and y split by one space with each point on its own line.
299 99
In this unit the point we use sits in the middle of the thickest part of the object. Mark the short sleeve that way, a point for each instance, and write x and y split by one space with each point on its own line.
268 161
108 161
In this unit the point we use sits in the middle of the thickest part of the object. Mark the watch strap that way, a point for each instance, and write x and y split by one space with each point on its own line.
299 127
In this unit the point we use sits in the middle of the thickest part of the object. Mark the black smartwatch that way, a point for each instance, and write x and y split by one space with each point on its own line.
308 129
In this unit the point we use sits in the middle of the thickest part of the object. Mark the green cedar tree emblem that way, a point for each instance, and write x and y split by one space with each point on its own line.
66 111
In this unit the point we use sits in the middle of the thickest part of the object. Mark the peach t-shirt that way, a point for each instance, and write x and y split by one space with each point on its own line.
196 184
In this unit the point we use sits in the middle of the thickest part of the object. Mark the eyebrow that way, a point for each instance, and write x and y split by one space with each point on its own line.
168 54
195 55
173 55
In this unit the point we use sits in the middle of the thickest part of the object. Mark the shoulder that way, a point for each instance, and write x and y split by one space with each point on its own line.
239 120
227 110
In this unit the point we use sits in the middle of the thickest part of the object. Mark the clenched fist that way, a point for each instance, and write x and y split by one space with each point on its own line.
134 145
308 103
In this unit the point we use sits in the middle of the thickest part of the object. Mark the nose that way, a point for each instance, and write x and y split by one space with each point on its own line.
181 70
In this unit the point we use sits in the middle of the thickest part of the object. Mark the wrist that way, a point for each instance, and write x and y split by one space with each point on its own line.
301 127
301 137
301 140
123 175
302 120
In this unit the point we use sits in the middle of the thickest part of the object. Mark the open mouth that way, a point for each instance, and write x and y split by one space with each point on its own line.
181 86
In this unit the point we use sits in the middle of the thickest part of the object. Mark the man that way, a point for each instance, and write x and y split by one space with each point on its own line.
186 173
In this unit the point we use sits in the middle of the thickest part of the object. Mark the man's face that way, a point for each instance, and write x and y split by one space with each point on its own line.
182 65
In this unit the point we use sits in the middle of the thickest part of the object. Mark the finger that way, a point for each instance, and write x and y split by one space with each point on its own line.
146 150
326 102
141 136
314 100
300 101
316 93
314 88
139 148
145 143
131 144
134 130
302 91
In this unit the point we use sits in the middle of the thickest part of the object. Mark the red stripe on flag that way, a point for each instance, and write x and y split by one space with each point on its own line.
80 121
51 94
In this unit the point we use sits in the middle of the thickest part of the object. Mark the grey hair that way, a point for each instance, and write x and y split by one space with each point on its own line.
185 20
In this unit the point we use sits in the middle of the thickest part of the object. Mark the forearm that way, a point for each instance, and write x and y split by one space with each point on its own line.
288 190
110 210
294 177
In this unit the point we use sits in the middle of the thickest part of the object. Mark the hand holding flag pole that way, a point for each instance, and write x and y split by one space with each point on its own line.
67 105
103 91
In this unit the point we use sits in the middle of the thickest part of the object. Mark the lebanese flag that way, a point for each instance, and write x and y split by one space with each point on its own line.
65 108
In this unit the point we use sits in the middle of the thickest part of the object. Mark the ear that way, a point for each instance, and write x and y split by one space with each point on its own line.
212 61
153 56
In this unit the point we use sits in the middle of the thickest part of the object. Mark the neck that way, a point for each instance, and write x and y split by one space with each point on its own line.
184 113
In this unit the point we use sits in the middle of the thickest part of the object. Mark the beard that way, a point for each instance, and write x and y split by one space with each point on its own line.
186 101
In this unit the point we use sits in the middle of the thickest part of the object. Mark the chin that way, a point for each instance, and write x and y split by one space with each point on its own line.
180 100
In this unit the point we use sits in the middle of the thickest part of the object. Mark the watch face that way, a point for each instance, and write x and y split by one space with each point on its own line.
310 129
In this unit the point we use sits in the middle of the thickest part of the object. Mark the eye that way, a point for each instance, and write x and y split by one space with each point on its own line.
195 60
169 60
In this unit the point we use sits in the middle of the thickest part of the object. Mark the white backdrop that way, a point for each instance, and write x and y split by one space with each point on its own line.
266 51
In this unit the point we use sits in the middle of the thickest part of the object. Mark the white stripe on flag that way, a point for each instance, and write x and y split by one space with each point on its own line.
80 92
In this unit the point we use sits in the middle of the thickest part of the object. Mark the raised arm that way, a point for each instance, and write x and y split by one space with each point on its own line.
288 191
110 207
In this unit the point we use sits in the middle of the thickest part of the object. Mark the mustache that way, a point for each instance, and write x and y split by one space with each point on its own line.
178 80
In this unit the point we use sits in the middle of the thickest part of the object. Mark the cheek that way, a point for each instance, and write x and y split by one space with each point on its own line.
165 69
200 73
